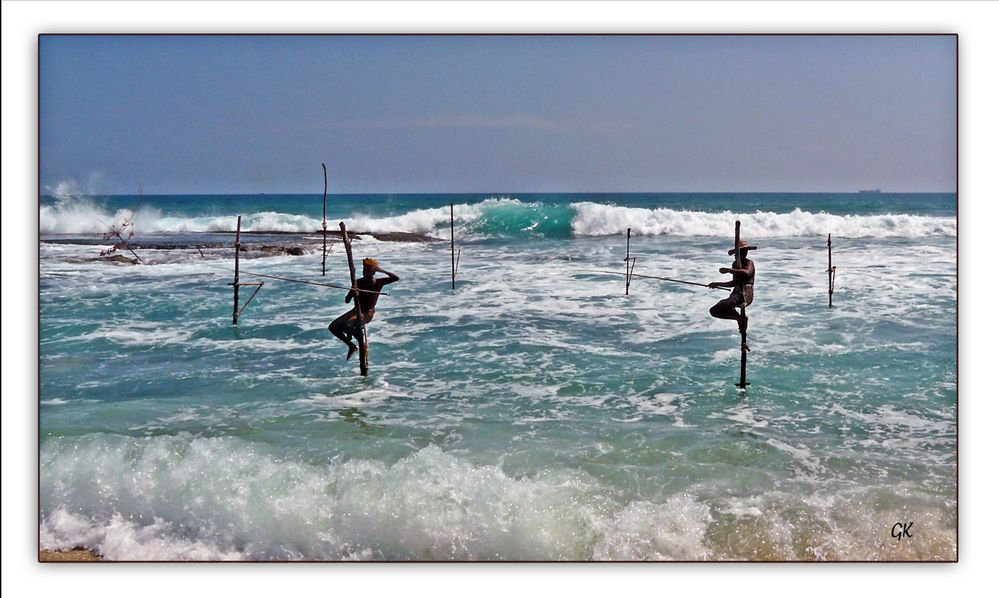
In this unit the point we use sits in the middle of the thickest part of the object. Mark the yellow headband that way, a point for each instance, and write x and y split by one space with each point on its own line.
370 262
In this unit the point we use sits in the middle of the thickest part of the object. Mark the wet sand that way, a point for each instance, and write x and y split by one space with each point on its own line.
78 555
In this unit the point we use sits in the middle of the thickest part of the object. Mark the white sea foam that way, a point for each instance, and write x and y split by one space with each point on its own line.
673 530
139 334
80 216
425 221
120 539
662 403
180 497
801 454
601 219
77 215
744 415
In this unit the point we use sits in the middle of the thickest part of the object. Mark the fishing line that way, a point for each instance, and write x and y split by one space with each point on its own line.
658 278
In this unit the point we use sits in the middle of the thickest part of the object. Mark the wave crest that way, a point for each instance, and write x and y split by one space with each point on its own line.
505 217
593 219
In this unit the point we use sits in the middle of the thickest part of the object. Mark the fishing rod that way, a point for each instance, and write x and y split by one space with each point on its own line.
658 278
318 284
286 279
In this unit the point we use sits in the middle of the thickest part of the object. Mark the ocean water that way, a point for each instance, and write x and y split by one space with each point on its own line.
535 412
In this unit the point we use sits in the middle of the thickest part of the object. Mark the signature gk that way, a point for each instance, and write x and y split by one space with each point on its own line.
901 530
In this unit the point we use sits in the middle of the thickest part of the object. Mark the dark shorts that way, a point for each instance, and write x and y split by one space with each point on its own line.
348 321
736 298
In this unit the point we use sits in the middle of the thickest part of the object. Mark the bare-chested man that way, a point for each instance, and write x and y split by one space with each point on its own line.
741 285
347 326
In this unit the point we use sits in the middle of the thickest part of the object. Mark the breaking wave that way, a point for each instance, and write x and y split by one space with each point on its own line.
84 216
192 498
510 218
593 219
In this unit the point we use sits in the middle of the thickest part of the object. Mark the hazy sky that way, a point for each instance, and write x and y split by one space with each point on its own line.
497 113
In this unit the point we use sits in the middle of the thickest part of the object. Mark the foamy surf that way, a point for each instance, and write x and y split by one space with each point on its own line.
594 219
183 498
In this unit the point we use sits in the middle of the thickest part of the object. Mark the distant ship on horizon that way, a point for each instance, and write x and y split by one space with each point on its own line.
870 191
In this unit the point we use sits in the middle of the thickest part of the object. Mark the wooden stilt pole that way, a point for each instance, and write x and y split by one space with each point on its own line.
362 349
324 218
235 279
453 264
742 310
831 270
627 265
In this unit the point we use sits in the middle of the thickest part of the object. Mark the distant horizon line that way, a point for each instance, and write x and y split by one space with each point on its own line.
507 193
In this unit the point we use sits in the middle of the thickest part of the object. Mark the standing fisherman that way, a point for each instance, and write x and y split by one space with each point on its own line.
742 288
347 326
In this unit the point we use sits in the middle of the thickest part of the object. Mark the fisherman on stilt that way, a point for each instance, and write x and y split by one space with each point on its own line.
742 289
347 326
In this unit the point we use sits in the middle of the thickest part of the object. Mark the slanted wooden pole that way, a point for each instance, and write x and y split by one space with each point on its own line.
116 232
124 242
742 309
235 278
324 218
831 270
362 349
453 264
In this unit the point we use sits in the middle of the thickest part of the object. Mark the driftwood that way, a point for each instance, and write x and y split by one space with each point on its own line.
115 232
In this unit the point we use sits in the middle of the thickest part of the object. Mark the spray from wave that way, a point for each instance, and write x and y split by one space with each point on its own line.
85 216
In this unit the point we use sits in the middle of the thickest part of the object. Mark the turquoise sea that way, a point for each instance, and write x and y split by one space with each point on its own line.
535 412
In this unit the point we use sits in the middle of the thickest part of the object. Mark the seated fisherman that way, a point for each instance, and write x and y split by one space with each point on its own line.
347 326
741 285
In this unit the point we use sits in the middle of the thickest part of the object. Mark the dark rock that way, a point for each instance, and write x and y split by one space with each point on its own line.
114 259
404 237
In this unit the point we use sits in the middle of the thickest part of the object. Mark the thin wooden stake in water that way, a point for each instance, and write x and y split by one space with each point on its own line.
627 265
453 264
235 279
831 270
324 218
362 349
742 309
